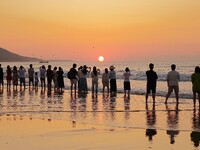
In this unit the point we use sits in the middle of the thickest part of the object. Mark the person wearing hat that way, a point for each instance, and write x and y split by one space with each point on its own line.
112 76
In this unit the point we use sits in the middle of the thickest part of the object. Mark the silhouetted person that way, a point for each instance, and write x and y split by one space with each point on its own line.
195 135
1 76
151 82
73 79
113 84
79 77
94 75
49 78
127 84
15 77
83 79
42 77
55 78
195 78
105 80
31 75
36 81
22 72
151 122
8 77
173 78
172 122
60 79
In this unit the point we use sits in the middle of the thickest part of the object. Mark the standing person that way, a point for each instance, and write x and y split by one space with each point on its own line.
79 77
94 76
8 77
60 79
49 78
112 76
196 84
42 77
83 83
127 85
173 78
31 75
73 78
55 78
22 72
151 82
36 81
105 80
15 77
1 76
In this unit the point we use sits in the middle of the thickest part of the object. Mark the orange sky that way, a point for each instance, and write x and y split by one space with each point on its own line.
118 30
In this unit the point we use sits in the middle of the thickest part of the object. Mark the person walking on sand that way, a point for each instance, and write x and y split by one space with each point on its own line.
8 77
173 78
22 72
15 78
94 76
151 82
1 76
42 77
127 85
31 75
195 78
105 80
112 76
73 78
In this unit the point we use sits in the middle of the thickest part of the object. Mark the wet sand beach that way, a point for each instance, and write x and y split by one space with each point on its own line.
35 120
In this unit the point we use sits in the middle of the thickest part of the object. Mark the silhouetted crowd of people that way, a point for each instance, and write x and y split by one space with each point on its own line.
78 80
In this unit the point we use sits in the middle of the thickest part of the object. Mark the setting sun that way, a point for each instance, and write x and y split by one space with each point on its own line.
101 58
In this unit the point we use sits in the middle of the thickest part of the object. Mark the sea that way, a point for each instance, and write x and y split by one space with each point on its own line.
137 69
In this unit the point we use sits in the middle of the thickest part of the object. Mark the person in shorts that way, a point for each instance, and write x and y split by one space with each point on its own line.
151 82
173 78
127 86
74 80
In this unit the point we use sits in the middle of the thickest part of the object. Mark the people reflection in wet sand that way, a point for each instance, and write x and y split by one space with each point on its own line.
195 135
73 108
95 107
151 122
126 108
172 122
112 106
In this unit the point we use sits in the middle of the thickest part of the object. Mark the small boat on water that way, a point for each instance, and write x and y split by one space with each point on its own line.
43 61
